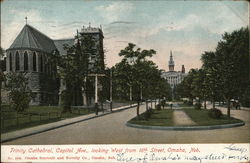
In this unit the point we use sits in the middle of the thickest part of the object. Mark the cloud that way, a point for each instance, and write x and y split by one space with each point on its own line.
115 11
187 28
122 22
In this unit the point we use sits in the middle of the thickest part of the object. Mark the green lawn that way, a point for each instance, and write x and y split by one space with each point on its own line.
165 118
158 118
202 119
35 115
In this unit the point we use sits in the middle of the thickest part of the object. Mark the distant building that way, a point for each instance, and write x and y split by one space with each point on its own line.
174 77
30 54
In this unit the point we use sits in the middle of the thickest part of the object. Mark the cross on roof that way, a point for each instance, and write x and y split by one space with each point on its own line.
26 19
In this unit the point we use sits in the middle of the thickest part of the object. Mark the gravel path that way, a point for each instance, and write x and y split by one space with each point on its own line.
182 119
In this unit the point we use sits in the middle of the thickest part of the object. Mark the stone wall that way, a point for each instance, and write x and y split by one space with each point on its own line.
42 80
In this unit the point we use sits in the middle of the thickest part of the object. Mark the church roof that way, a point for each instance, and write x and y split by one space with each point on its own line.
31 38
60 44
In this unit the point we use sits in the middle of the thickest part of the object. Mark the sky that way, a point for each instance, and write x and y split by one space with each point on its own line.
188 28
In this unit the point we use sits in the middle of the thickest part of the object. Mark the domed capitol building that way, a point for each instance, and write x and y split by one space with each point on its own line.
173 77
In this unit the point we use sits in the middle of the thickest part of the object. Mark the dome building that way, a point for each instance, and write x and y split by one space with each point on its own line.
173 77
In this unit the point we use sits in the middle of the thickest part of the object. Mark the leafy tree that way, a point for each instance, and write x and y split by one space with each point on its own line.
2 76
232 53
20 94
187 87
212 75
75 67
133 68
2 79
197 85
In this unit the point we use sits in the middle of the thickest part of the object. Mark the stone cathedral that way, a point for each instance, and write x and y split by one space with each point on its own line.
30 54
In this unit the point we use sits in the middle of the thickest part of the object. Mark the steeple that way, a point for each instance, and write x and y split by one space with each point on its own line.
171 62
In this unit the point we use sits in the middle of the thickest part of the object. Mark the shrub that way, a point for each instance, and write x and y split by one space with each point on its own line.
163 103
19 100
19 92
214 113
148 114
189 103
66 101
158 107
197 106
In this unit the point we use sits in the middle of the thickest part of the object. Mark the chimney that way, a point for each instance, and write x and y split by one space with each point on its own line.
183 69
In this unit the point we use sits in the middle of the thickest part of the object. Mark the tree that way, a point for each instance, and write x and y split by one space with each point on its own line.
186 86
2 79
133 68
212 76
2 76
232 54
20 94
75 67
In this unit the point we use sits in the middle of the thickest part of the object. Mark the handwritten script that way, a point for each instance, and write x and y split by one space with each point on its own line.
127 153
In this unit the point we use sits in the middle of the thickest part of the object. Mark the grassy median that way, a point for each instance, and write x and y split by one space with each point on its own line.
201 118
165 118
158 118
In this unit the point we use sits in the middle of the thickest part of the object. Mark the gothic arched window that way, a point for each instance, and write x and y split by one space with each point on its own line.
26 64
10 61
34 61
17 61
41 63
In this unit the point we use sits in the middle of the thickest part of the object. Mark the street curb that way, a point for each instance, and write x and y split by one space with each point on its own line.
8 137
186 128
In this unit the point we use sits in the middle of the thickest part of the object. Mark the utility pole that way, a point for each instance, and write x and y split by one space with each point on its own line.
96 90
111 100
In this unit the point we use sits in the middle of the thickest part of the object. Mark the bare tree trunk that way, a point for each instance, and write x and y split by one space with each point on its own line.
0 93
205 104
137 109
146 104
228 107
213 103
102 107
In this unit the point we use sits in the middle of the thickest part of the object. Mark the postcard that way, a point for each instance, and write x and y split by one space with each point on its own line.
125 81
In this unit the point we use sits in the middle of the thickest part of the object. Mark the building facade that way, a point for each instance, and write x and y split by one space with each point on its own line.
97 56
173 77
30 54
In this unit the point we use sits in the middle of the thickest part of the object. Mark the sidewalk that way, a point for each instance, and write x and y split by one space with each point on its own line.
225 107
182 119
50 126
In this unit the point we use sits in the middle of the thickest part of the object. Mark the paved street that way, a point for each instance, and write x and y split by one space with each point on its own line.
111 129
